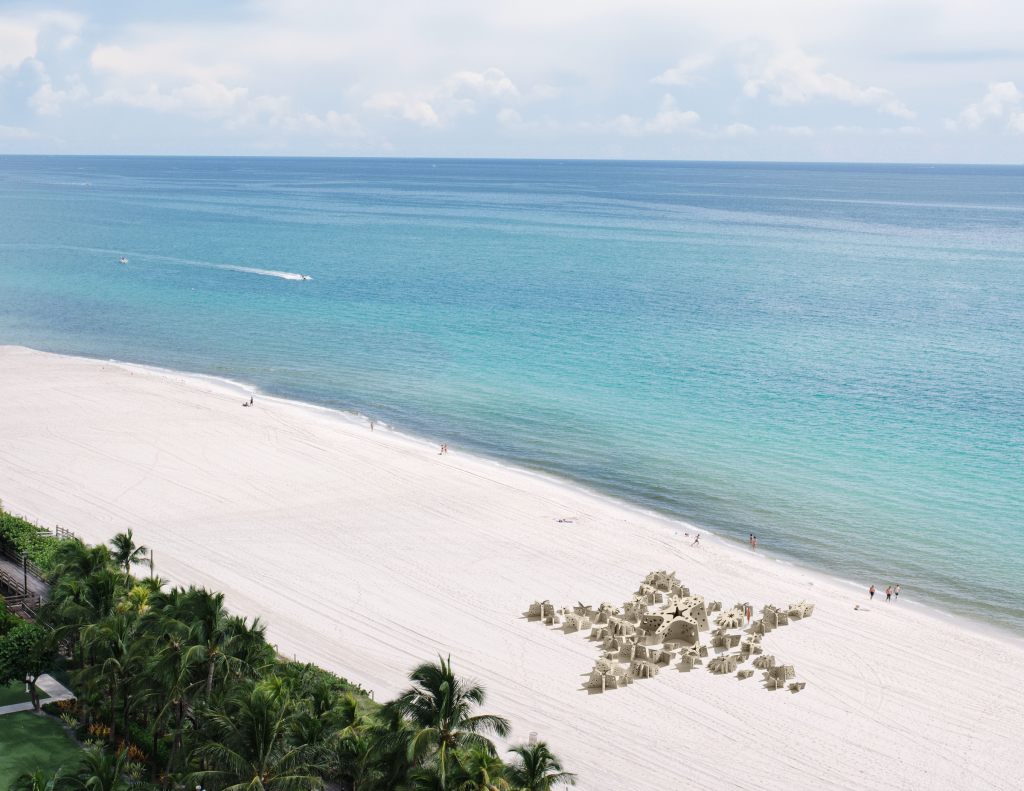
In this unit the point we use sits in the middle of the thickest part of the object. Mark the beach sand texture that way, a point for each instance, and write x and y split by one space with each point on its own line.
368 553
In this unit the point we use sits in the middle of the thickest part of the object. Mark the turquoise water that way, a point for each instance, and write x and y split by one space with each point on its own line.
830 357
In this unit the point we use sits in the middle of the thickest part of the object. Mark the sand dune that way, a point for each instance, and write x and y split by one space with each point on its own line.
368 552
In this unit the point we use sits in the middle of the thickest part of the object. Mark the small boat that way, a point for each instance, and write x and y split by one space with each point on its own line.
123 260
305 277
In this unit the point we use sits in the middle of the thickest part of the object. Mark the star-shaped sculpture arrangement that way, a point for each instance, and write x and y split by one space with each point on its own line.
623 638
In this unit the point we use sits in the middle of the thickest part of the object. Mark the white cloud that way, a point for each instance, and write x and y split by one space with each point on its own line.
15 133
798 131
459 92
848 130
158 60
19 36
491 82
1002 99
794 77
213 97
543 92
911 130
684 73
669 119
509 116
409 108
47 101
737 129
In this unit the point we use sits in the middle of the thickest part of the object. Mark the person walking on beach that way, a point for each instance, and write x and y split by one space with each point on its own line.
696 540
371 426
871 590
888 593
897 592
748 613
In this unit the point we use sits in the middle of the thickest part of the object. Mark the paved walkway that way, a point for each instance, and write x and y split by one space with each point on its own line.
35 584
47 684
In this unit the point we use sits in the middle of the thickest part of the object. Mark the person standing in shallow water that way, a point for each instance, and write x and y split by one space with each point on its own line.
888 593
897 592
871 590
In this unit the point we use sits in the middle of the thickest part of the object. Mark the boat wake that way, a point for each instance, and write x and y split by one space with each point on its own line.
170 259
265 272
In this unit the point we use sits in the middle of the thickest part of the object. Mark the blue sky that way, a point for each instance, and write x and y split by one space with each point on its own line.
892 81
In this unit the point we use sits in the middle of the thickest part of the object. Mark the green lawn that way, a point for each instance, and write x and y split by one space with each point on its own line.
29 742
15 693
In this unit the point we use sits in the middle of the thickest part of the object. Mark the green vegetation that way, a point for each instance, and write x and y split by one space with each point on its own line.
22 536
15 693
175 692
29 743
7 621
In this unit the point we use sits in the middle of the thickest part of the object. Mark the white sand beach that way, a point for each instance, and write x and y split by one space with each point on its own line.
368 553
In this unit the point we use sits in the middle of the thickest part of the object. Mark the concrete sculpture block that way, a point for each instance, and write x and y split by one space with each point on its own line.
687 661
641 668
726 663
782 673
796 686
585 610
607 673
575 622
764 662
744 674
661 580
801 610
715 606
541 609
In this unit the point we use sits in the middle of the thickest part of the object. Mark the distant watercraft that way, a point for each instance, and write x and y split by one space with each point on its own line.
305 277
123 260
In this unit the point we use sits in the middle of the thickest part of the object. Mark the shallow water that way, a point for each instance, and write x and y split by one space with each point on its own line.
830 357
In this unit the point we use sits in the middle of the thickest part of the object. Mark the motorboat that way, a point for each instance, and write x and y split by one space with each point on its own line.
123 260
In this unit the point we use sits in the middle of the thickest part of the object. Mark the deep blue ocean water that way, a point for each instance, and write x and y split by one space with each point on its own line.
828 356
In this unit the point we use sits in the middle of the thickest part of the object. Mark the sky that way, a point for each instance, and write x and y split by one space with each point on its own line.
864 81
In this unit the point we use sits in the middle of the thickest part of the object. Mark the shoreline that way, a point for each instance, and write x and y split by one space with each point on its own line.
366 554
357 419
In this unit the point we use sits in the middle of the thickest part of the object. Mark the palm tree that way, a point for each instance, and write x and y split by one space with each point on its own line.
211 630
74 560
36 781
481 771
169 674
98 771
537 769
369 754
250 747
119 656
126 554
441 706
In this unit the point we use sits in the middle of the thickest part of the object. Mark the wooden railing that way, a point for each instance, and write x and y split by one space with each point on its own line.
15 556
24 605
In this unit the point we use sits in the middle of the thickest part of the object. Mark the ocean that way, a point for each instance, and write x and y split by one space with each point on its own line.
830 357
